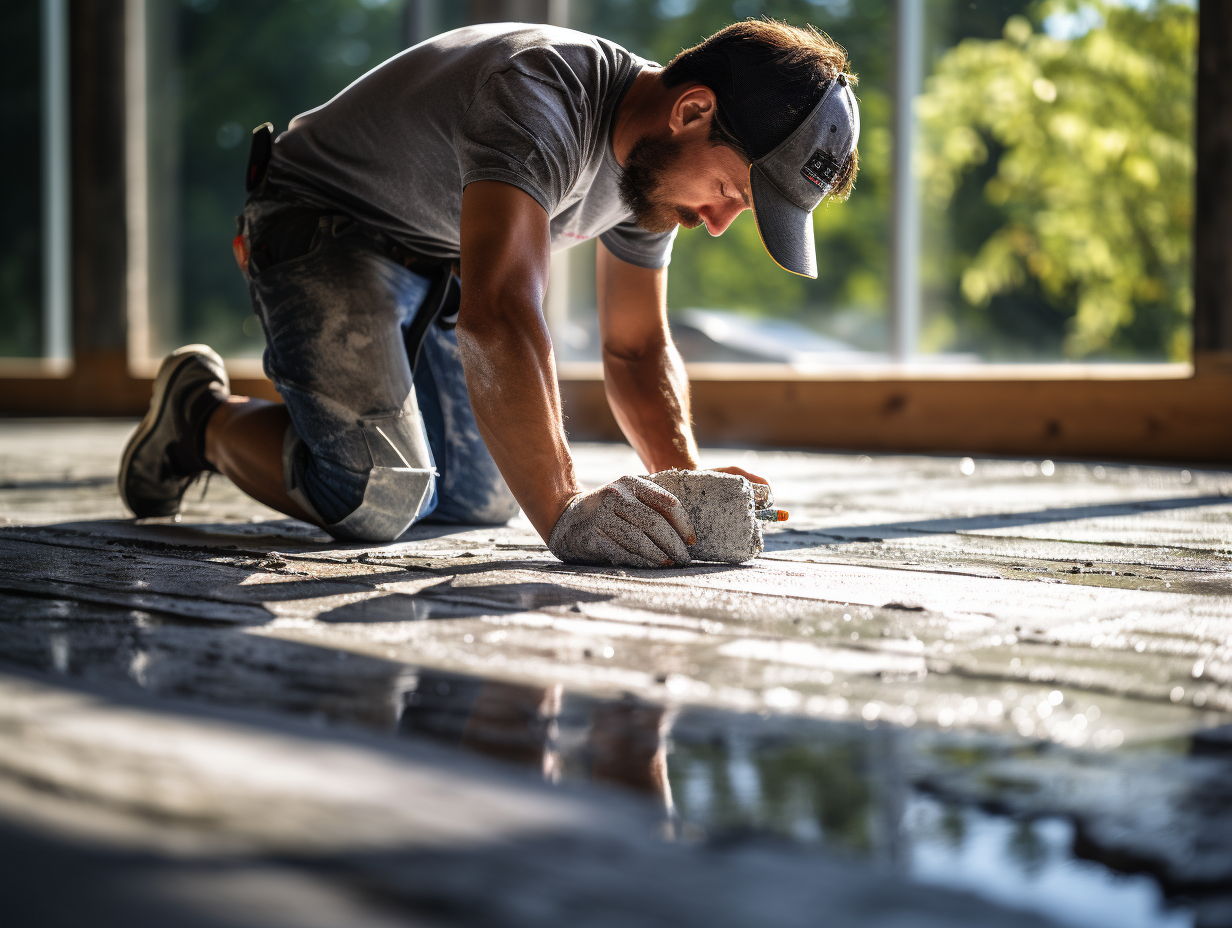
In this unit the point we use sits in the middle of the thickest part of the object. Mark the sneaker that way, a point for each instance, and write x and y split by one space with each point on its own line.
167 452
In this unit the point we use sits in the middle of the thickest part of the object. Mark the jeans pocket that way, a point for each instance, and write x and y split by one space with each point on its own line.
285 236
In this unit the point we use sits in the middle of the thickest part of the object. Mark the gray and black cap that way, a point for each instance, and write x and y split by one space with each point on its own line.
787 184
798 134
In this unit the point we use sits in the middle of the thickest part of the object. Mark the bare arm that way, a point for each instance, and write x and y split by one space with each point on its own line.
645 379
643 374
506 349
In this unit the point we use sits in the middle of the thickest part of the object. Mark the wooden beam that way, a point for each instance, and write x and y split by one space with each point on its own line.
1213 208
1153 420
1156 418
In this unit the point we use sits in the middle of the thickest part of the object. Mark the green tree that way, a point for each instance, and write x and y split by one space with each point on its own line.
1085 144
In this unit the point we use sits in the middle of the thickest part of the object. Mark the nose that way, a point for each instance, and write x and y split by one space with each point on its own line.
719 217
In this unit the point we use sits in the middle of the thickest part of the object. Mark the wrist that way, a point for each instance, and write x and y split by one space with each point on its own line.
548 511
678 458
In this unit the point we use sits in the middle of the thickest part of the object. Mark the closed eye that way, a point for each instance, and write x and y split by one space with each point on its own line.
744 197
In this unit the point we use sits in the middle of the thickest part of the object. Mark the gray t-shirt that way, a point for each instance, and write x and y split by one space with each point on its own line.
531 106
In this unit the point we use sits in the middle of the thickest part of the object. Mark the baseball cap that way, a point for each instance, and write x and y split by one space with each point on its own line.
798 149
787 184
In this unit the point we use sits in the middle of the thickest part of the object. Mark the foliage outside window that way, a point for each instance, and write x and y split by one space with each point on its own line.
1061 153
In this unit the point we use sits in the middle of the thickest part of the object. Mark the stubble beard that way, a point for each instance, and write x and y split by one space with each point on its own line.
642 186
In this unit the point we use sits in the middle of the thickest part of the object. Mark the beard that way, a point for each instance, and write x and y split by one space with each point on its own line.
642 186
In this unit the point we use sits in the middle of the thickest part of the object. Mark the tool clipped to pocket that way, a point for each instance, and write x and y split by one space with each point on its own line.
259 155
258 160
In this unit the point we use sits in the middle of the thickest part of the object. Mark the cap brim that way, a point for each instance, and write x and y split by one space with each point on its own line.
786 230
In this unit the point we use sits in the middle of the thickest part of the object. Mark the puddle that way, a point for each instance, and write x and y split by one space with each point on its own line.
1029 864
990 814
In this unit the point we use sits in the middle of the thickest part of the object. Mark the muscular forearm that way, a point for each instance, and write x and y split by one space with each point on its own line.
649 395
506 351
511 377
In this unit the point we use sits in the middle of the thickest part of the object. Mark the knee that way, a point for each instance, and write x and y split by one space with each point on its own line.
375 490
392 499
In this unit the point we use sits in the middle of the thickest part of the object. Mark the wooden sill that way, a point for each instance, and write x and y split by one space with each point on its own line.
1112 412
1162 413
36 368
593 370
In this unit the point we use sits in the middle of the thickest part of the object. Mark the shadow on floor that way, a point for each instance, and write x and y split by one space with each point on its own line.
445 601
842 534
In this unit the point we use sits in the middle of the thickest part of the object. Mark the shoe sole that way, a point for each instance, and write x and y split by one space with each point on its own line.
166 377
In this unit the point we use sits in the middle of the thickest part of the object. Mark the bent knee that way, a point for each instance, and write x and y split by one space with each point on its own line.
371 486
392 499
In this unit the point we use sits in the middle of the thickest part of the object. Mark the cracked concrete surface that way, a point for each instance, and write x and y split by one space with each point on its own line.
916 647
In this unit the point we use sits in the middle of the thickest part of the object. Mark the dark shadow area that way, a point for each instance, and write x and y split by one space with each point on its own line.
106 888
783 540
67 483
446 601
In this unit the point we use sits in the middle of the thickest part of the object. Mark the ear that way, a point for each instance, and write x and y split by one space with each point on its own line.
692 111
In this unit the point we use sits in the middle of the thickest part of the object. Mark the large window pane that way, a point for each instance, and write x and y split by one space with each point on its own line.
1056 162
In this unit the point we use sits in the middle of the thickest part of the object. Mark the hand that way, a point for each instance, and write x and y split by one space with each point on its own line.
765 498
629 523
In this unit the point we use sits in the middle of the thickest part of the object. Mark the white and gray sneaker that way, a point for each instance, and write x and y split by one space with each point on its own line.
167 452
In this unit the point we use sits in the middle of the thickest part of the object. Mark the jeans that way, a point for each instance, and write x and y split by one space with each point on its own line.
371 449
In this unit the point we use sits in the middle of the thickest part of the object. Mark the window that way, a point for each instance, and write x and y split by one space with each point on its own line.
1021 227
1038 210
1056 160
34 211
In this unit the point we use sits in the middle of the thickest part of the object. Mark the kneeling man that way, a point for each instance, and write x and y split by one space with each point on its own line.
396 243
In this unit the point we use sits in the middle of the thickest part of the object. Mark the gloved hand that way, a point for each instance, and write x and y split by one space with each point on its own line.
628 523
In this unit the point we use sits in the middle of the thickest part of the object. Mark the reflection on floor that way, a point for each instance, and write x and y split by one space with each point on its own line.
985 692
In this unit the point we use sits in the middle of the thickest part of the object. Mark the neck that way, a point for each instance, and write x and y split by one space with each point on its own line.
644 111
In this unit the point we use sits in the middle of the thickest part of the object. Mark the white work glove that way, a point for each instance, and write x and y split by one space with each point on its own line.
631 522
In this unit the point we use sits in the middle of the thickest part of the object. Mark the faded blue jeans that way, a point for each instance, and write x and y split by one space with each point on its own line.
371 449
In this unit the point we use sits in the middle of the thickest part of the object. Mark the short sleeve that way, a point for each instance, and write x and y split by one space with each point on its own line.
524 127
630 242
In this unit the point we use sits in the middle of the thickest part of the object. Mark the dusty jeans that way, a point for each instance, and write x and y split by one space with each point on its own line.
370 449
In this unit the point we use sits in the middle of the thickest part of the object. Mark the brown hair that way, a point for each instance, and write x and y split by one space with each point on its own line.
767 76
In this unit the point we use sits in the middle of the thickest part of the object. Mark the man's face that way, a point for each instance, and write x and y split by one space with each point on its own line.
666 183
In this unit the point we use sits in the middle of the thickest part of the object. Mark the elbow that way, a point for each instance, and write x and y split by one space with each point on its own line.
641 351
492 327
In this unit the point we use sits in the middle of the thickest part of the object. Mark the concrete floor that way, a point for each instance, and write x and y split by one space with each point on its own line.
951 692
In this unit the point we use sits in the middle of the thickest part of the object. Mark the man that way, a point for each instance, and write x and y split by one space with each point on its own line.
459 166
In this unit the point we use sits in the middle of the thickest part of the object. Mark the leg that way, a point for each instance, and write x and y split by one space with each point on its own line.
470 488
244 441
348 451
355 457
